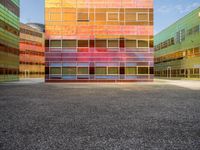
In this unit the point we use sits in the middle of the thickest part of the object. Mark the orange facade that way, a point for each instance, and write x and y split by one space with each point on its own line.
31 52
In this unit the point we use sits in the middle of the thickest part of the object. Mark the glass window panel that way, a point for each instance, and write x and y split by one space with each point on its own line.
101 43
151 17
69 43
83 43
130 16
143 16
100 70
151 43
69 70
55 16
55 43
113 16
83 70
143 43
83 17
113 43
55 70
113 70
131 43
143 70
130 70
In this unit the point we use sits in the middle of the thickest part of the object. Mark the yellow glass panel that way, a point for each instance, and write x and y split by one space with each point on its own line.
69 16
55 16
143 16
113 16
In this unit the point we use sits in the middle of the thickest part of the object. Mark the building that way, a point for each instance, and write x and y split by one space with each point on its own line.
31 52
37 26
177 48
9 40
99 40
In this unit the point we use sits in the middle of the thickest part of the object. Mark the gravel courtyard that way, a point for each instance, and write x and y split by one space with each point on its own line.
111 116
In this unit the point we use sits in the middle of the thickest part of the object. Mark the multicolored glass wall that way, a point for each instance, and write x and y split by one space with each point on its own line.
177 48
9 40
92 40
31 52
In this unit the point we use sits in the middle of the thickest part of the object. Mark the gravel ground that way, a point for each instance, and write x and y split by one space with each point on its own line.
157 116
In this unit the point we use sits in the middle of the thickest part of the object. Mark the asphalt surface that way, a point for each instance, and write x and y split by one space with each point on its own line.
138 116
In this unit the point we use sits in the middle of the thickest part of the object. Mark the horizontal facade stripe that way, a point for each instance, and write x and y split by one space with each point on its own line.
31 63
7 49
7 71
30 42
9 28
31 52
12 7
29 32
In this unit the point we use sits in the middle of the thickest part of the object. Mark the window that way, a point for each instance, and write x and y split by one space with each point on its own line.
196 70
46 43
131 43
189 32
130 70
83 70
55 70
100 70
143 70
55 43
69 70
112 16
182 35
143 43
69 43
142 17
151 43
178 37
101 43
196 29
196 50
113 70
130 17
83 16
83 43
151 17
113 43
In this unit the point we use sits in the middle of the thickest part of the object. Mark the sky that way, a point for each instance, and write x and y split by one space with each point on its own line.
166 11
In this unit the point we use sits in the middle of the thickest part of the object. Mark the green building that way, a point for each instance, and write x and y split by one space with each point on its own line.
177 48
9 40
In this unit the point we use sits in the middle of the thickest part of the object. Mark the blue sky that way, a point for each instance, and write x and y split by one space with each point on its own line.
166 11
169 11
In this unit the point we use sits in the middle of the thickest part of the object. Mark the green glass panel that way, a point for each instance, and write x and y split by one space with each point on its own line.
69 70
130 70
100 70
113 70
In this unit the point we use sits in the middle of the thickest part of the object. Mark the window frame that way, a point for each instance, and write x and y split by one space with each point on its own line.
142 40
137 16
136 43
83 20
82 74
107 16
118 46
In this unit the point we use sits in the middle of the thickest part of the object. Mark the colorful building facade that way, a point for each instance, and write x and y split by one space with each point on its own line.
92 40
9 40
31 52
177 48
